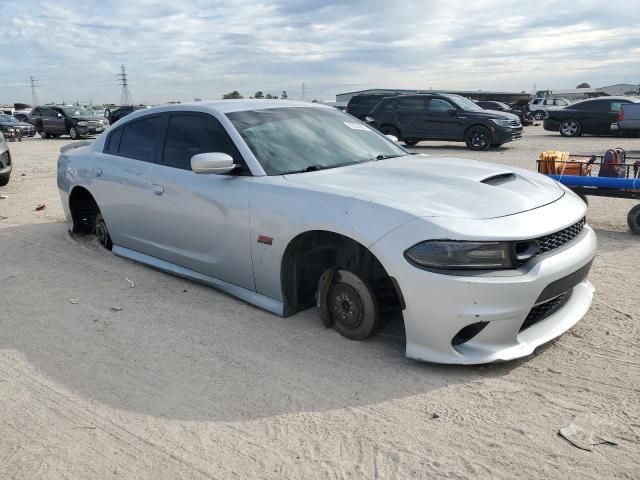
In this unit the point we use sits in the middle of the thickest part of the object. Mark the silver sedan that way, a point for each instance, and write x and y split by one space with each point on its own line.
292 205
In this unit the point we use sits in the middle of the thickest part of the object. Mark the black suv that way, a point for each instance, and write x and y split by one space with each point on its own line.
114 115
413 118
77 122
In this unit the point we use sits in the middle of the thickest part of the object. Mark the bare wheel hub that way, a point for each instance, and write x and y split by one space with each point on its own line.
346 306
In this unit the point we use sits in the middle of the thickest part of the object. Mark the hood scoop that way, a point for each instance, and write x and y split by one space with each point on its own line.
499 179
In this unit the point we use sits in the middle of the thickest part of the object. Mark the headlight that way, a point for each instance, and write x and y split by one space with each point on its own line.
447 254
503 122
81 123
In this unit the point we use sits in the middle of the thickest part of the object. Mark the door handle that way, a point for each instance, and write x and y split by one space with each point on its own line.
97 172
157 189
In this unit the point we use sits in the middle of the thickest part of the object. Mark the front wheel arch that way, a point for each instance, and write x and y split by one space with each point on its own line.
310 254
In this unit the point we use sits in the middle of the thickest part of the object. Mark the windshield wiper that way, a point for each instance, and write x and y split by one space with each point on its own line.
384 156
315 167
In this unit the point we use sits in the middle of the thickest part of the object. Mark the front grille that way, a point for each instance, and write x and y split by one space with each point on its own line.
92 123
515 123
545 310
558 239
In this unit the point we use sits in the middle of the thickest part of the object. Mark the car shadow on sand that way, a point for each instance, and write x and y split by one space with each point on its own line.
171 348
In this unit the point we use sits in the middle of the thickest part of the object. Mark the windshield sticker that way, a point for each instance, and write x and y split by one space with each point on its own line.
357 126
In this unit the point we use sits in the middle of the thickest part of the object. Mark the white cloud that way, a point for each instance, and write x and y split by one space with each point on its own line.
197 48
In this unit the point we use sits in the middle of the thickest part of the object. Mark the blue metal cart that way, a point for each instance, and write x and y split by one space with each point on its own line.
597 180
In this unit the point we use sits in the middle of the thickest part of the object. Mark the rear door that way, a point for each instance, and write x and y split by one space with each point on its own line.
121 183
409 116
199 221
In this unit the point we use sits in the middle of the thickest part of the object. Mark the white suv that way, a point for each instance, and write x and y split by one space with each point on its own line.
539 106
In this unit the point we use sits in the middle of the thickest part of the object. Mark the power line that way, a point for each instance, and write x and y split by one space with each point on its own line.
125 95
34 95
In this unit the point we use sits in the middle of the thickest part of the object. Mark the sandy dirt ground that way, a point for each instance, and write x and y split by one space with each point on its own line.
174 380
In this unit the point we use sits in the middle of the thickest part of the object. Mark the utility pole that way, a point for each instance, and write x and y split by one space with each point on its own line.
302 98
34 95
125 95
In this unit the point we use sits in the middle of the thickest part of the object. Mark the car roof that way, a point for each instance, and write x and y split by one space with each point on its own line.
228 106
611 97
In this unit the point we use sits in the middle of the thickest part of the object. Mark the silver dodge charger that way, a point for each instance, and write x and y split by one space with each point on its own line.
290 205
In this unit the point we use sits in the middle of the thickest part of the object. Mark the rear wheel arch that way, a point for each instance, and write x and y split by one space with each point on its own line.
84 209
312 253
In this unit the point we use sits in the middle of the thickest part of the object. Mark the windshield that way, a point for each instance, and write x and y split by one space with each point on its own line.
75 111
463 103
8 119
298 139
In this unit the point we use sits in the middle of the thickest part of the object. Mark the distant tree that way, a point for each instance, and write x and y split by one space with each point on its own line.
584 85
232 95
269 96
284 95
258 94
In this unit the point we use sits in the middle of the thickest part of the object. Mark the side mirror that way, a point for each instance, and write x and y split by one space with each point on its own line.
452 111
393 138
213 162
59 115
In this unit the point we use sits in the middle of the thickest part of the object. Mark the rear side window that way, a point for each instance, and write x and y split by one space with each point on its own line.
113 142
189 135
139 139
616 106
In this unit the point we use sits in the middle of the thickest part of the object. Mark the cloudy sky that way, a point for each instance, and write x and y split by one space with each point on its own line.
178 50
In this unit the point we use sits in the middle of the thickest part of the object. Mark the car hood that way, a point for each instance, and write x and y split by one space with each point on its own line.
427 186
491 114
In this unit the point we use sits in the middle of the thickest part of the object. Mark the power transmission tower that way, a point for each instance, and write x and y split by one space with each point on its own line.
34 95
125 95
302 97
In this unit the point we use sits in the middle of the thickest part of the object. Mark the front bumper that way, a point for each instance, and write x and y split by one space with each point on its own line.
439 306
551 124
91 129
506 134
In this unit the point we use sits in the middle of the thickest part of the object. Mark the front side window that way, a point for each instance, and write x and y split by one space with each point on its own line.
298 139
139 138
463 103
189 135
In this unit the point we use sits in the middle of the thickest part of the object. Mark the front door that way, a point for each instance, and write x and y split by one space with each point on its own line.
441 119
201 222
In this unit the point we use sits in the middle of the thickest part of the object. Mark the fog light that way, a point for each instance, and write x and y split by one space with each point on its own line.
467 333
